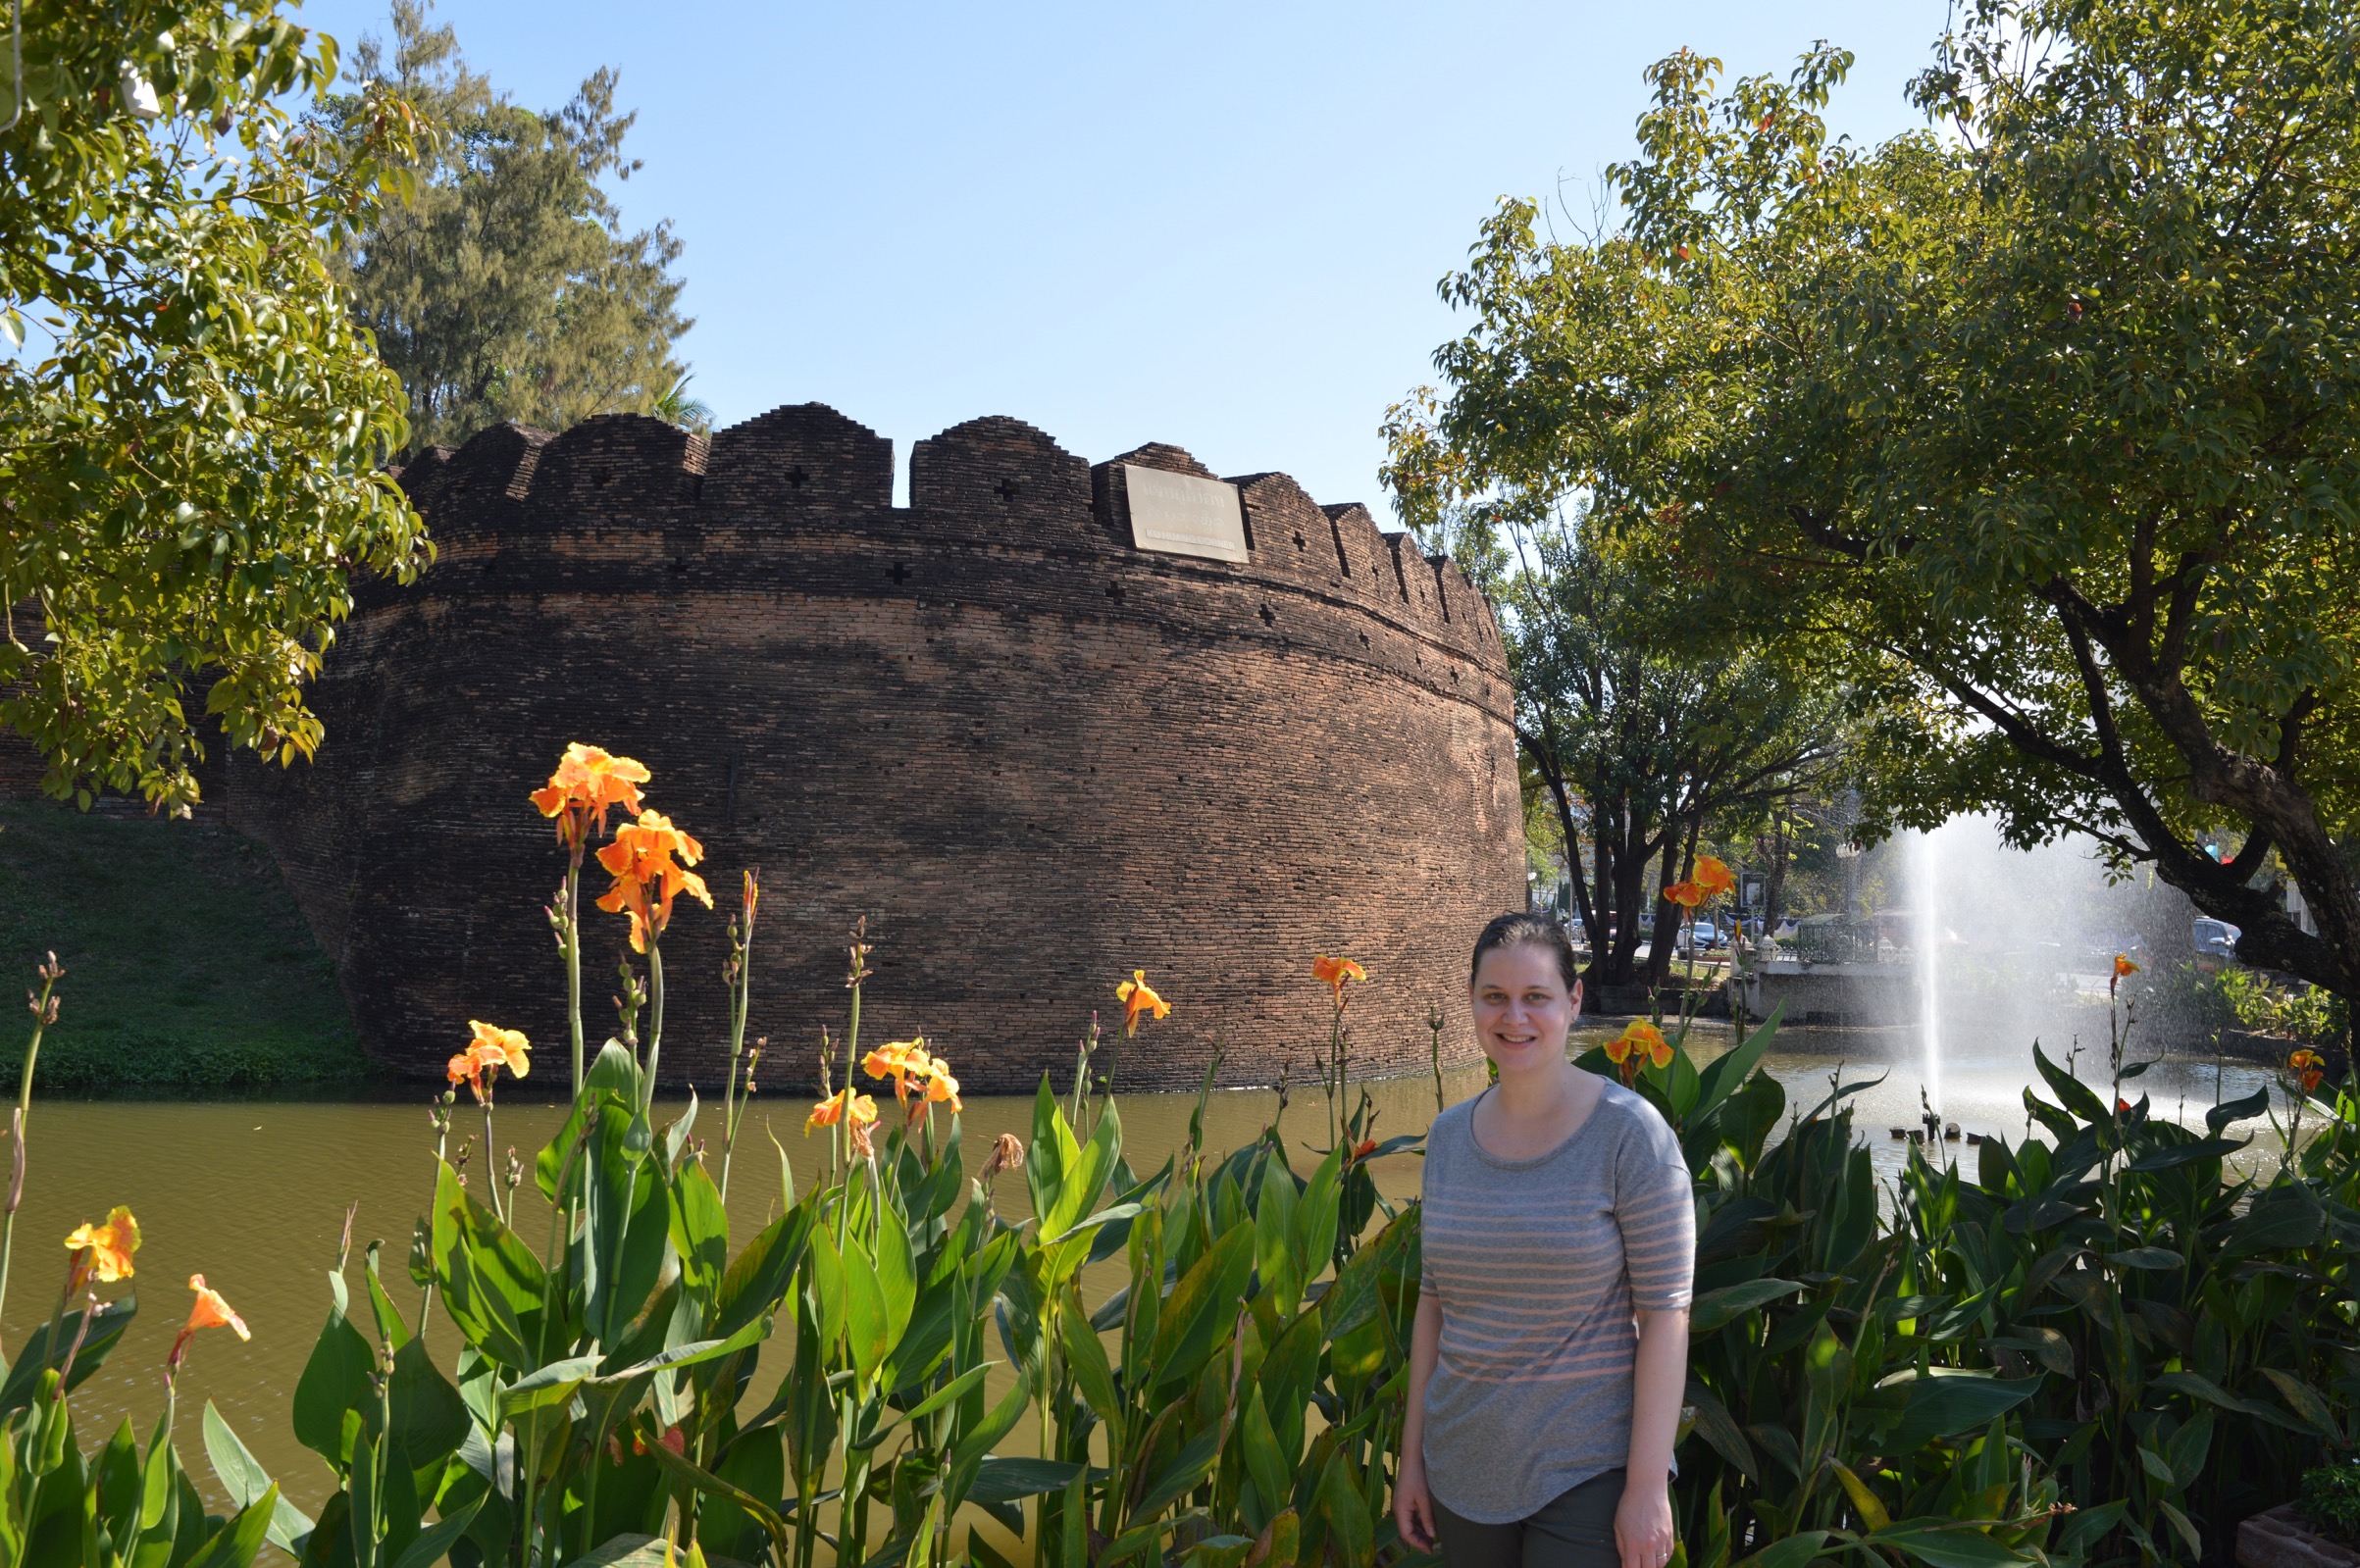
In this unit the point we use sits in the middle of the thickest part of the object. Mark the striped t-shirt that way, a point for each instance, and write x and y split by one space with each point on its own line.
1538 1265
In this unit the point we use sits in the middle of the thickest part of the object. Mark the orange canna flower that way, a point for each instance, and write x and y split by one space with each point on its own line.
2124 969
1687 894
899 1060
210 1312
2309 1067
1335 973
492 1049
589 782
646 876
830 1111
942 1089
1713 876
495 1046
1139 1001
1640 1041
104 1250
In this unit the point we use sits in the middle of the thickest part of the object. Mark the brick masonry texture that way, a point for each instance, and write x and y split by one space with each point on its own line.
1034 757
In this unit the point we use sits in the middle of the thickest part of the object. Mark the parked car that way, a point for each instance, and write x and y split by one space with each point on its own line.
2215 939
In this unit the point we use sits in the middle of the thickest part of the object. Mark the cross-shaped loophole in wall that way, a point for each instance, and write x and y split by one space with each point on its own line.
795 475
1270 615
900 572
1007 490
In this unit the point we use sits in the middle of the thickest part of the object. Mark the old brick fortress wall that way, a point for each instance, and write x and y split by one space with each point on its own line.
1034 756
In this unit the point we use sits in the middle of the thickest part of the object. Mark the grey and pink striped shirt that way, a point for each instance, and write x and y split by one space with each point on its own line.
1538 1265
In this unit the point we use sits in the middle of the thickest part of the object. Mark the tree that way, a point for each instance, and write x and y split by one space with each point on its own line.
507 288
2050 425
1637 735
190 422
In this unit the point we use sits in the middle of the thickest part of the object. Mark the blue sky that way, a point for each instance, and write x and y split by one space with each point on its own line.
1215 225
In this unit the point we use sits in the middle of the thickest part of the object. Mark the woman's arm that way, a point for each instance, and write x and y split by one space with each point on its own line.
1412 1504
1659 1381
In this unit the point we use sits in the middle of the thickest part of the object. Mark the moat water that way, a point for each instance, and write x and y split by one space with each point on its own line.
253 1196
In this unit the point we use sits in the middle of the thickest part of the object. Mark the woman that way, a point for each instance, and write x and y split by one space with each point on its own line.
1551 1345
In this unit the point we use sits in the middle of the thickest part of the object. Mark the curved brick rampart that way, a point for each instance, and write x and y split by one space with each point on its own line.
1035 756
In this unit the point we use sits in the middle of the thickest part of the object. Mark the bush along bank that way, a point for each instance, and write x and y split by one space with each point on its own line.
2097 1346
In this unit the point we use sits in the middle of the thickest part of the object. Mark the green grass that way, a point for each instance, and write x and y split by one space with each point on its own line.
189 970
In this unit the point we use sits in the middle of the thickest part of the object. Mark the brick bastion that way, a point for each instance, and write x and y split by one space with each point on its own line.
1034 754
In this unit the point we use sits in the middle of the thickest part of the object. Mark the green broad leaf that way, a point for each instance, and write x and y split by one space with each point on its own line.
2085 1527
237 1542
2185 1530
1864 1502
896 1275
1201 1306
1190 1465
1005 1480
949 1393
1269 1468
2304 1400
2155 1259
1944 1544
757 1281
782 1539
244 1479
1715 1308
391 1332
1720 1430
1349 1528
430 1419
550 1385
1937 1406
976 1445
435 1540
687 1355
2273 1227
2210 1392
1052 1152
699 1229
1085 1358
334 1380
1086 1178
868 1330
42 1354
1720 1078
830 1288
2188 1153
1318 1212
2075 1095
2238 1110
1282 1278
1104 1217
1792 1551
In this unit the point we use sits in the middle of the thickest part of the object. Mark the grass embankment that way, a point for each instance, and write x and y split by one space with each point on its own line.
189 970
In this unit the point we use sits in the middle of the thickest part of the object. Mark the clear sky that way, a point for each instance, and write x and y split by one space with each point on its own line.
1216 224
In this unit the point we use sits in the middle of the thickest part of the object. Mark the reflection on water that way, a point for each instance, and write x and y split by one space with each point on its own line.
253 1196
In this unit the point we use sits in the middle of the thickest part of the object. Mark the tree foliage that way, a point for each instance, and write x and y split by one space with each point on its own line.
191 420
508 287
2047 419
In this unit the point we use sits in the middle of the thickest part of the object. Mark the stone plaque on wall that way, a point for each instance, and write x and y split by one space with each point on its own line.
1180 514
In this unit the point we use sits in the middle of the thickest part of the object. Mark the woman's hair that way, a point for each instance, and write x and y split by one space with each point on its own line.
1528 930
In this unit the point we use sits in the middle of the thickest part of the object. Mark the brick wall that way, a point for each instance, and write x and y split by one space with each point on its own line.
1034 757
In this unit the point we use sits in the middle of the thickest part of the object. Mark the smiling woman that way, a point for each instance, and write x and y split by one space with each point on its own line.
1539 1427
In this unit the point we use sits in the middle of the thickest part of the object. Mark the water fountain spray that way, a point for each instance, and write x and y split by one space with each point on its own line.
1925 922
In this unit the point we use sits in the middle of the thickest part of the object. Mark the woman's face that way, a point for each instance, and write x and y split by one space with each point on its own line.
1522 1008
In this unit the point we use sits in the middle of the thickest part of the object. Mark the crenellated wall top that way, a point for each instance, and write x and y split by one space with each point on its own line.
805 470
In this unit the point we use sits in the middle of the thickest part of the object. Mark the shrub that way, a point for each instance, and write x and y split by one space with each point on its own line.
2331 1502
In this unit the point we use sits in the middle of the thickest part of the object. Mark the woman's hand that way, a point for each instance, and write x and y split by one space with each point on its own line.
1413 1504
1642 1525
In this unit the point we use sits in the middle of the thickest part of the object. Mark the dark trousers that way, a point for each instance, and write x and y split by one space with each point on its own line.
1574 1530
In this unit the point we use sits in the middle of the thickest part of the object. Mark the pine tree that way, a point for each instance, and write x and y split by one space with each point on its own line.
508 287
